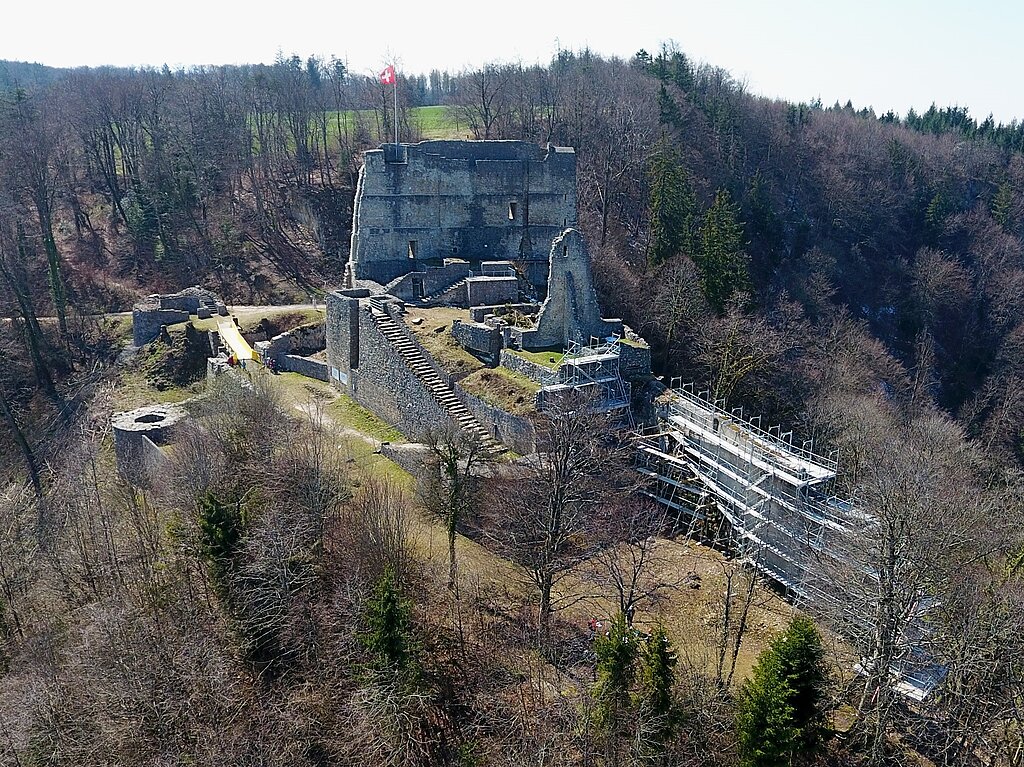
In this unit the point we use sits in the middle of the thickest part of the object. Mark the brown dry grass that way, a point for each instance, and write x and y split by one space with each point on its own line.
434 331
504 389
690 609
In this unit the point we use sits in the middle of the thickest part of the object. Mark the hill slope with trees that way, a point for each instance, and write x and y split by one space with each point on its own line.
858 278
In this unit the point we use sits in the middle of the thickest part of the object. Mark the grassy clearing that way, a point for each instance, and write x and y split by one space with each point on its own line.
504 389
435 333
549 359
349 412
339 408
433 122
367 464
438 122
135 389
286 319
208 324
692 609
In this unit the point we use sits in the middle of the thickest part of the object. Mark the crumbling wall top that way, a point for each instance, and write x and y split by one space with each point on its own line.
479 150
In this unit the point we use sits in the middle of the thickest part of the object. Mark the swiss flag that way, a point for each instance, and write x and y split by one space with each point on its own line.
387 77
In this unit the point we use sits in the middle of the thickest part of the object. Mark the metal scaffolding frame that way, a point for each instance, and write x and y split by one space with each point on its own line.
743 489
592 367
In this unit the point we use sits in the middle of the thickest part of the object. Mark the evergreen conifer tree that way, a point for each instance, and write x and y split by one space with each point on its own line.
657 675
389 621
802 660
1002 206
764 716
220 531
668 109
616 654
723 261
781 708
672 206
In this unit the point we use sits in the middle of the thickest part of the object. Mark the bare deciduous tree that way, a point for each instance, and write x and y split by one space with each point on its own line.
630 559
542 508
449 488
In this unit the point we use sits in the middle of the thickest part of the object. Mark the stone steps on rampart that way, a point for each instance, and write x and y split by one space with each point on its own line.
439 390
439 295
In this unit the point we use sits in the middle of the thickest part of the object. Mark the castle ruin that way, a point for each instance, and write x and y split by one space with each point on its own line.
475 201
486 226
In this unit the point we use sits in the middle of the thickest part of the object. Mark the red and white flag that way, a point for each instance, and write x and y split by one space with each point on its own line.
387 77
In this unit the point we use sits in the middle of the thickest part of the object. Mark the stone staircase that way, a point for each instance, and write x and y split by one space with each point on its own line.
417 362
445 294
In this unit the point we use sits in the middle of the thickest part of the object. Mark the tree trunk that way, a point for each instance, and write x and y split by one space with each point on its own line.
544 581
56 277
33 333
19 438
452 563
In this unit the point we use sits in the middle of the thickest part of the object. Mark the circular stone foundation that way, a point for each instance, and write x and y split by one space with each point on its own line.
137 436
151 420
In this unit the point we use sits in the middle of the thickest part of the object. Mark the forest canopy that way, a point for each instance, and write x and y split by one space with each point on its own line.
859 278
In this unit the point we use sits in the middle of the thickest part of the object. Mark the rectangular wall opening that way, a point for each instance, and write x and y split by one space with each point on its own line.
512 210
412 248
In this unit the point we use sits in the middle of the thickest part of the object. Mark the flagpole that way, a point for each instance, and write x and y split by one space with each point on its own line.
395 78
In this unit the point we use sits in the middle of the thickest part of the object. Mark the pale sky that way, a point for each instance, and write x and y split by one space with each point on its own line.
886 54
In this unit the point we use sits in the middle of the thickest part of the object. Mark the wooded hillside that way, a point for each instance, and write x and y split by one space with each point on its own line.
858 278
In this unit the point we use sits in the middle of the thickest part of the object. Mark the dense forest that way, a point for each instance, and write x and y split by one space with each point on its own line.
859 278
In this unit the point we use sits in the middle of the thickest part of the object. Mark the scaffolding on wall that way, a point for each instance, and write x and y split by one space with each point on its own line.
757 495
743 489
591 368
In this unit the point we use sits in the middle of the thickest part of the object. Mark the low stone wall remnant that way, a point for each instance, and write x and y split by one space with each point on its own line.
477 338
306 366
524 367
513 431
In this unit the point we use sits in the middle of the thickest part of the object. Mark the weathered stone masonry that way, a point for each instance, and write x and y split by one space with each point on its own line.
478 201
138 435
152 313
369 369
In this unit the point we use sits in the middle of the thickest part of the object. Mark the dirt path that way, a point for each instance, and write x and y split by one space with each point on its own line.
319 305
309 410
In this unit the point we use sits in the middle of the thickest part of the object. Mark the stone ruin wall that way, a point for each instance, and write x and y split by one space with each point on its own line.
365 366
454 200
156 311
138 435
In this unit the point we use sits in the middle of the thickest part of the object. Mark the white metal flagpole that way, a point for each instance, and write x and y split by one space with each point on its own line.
395 78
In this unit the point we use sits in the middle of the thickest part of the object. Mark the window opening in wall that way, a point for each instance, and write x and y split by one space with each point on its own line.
565 251
417 287
512 210
412 248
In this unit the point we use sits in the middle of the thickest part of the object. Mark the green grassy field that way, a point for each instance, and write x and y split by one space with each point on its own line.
549 359
434 122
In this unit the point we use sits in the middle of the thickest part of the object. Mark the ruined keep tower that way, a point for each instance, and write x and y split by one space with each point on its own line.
418 204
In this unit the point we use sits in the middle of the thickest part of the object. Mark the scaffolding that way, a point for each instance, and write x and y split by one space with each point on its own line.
591 368
755 494
745 490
